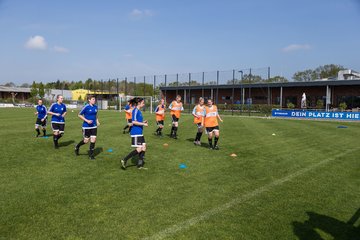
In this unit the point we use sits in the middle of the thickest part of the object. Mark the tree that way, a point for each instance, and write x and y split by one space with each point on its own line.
88 84
342 106
290 105
58 84
319 103
249 78
328 71
34 90
50 85
41 90
25 85
10 84
210 83
194 83
304 76
66 86
276 79
255 78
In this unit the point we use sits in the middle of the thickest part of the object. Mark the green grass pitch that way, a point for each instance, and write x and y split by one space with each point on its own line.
301 183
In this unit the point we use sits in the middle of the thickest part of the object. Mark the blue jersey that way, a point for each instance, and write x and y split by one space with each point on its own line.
136 130
58 108
42 111
90 113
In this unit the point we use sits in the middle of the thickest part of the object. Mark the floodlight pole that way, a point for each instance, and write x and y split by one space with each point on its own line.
242 92
189 93
203 80
117 92
165 89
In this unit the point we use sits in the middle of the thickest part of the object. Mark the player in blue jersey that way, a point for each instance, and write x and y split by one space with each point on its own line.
137 137
58 112
41 112
89 115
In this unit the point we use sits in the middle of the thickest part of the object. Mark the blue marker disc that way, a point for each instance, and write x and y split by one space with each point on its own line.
182 166
110 150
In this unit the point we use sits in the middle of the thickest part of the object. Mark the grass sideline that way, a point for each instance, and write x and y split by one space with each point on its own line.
53 194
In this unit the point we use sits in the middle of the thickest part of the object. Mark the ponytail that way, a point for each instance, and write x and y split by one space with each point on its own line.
135 101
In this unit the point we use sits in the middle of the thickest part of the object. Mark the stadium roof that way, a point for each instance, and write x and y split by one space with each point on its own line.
14 89
317 83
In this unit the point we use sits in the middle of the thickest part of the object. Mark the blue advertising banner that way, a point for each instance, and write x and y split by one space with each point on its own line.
315 114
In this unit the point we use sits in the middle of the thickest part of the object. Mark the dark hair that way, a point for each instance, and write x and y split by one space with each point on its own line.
59 95
90 97
135 101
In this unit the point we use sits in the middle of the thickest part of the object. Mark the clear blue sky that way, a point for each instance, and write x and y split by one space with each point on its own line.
45 40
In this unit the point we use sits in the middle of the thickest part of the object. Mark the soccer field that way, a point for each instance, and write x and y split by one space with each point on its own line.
301 183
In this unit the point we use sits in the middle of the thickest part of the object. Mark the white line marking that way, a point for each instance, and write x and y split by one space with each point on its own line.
195 220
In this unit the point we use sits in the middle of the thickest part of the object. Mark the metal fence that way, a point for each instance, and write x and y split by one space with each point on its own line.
150 85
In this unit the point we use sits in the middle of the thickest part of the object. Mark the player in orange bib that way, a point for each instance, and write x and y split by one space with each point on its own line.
160 117
199 115
128 112
176 107
211 124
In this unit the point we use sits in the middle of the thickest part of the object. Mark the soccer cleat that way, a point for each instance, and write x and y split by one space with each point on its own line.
175 137
195 143
142 168
123 131
198 143
123 164
216 148
77 151
91 157
211 147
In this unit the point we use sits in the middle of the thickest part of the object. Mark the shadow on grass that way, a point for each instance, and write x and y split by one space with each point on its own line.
67 143
204 145
312 228
133 162
98 150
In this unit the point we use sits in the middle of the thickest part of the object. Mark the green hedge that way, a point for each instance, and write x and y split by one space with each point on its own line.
239 108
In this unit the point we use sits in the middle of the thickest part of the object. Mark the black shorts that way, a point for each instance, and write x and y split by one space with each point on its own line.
89 132
58 127
174 118
40 123
137 141
160 123
129 120
210 129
